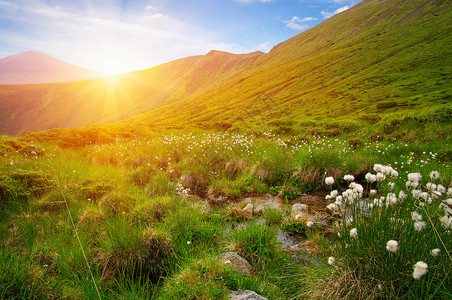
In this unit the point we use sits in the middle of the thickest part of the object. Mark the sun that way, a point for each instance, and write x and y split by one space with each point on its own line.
114 65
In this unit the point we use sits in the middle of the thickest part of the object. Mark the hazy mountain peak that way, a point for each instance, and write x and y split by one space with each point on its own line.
36 67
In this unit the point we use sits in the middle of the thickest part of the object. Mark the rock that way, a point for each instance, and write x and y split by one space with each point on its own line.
248 210
299 209
245 295
239 263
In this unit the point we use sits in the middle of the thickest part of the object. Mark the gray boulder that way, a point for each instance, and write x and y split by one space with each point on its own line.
245 295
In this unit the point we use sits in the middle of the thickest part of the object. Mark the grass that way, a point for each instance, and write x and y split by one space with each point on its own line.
150 222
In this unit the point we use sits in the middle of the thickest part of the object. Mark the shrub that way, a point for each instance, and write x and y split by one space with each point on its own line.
255 242
124 249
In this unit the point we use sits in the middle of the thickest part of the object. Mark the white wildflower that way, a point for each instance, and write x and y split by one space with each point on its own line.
441 188
334 193
354 233
394 173
402 195
419 225
434 175
380 176
331 207
392 246
349 177
420 269
378 167
435 252
188 242
449 192
416 193
371 177
414 177
297 217
309 223
391 185
431 186
372 192
329 180
331 260
446 222
391 199
416 216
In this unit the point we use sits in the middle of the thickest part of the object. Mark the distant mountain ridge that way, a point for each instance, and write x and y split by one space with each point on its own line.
379 63
76 104
31 67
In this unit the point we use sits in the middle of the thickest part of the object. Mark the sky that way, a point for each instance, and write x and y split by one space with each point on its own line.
115 36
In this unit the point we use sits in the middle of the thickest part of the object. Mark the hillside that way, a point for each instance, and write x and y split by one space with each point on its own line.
76 104
380 62
379 65
35 67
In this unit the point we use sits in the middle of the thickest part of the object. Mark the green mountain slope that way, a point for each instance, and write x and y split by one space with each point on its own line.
76 104
381 62
379 65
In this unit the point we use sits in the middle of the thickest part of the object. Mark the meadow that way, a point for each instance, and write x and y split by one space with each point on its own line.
145 215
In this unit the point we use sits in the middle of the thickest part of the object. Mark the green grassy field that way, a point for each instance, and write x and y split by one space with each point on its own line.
153 210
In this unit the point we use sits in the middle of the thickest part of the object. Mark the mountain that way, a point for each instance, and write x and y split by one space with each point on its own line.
76 104
380 64
35 67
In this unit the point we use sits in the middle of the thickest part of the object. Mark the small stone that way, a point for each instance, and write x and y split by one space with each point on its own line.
245 295
299 209
248 210
240 264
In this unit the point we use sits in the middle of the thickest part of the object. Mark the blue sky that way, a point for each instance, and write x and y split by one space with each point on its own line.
126 35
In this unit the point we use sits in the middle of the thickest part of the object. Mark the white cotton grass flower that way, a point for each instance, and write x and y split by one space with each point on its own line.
420 269
349 178
354 233
402 195
416 216
297 217
419 225
371 177
391 185
378 167
392 246
446 222
431 187
435 252
412 184
329 180
416 193
309 223
449 192
334 193
434 175
331 260
188 242
391 199
380 176
372 192
441 188
414 177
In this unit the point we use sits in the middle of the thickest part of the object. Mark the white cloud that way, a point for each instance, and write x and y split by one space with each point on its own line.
307 19
154 18
252 1
341 9
265 47
327 14
294 23
149 7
